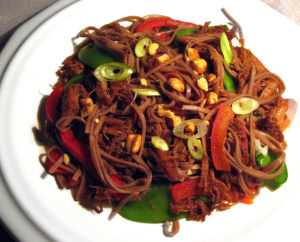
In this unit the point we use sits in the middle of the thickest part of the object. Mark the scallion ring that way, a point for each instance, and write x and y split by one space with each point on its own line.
141 48
159 143
195 148
146 92
244 105
113 71
201 126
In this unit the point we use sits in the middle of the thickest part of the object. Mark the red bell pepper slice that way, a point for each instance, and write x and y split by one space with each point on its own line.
245 140
218 136
186 189
73 182
156 24
52 103
55 155
80 151
248 200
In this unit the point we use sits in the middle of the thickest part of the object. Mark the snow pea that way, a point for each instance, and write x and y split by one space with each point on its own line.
154 206
263 161
183 32
94 56
229 82
75 79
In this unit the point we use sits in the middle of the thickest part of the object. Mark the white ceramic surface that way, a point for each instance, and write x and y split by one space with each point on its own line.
270 36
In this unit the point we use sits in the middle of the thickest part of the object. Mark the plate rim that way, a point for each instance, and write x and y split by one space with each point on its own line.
28 231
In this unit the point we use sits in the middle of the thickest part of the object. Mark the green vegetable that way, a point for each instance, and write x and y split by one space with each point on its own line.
154 206
195 148
113 71
229 82
159 143
75 79
183 32
204 199
141 48
201 127
244 105
94 56
263 161
226 48
146 92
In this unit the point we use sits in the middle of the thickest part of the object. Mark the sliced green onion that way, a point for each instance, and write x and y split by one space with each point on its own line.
259 149
113 71
244 105
146 92
226 48
159 143
201 126
141 48
195 148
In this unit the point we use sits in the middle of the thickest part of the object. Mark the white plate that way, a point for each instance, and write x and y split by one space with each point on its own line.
270 36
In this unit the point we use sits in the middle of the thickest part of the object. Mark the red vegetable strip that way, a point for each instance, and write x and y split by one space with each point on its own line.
186 189
73 182
80 151
248 199
158 23
245 140
52 103
55 155
218 136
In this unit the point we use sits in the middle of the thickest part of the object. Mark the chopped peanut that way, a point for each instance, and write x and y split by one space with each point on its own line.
190 127
163 58
66 159
174 121
164 113
176 84
85 101
210 77
88 107
202 103
143 82
153 48
206 122
189 172
212 98
193 54
202 84
199 65
133 143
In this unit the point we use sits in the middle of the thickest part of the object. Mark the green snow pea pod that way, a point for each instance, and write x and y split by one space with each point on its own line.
94 56
154 206
75 79
183 32
229 82
263 161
